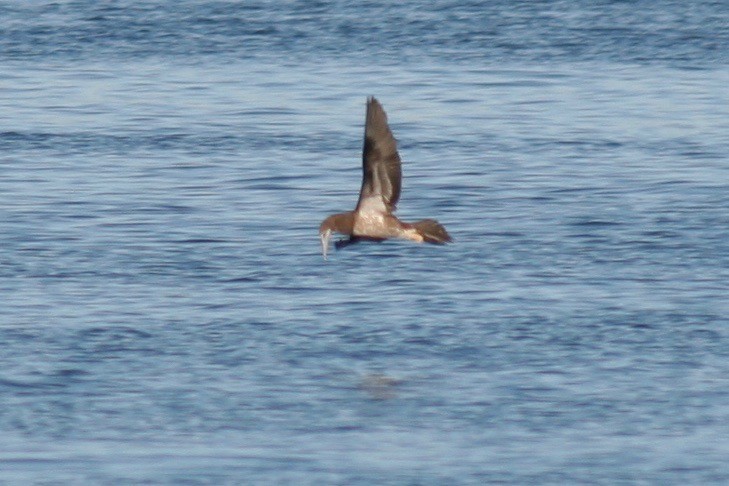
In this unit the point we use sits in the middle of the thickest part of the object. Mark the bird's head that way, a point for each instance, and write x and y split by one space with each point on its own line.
340 223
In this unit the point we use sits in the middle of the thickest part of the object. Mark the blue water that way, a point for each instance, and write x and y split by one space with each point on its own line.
166 316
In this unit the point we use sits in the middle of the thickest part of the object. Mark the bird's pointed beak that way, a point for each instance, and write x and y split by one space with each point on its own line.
325 242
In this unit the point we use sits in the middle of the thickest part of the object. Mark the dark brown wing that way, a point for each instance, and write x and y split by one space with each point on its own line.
381 170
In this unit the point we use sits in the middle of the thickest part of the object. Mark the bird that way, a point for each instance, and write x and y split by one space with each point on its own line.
373 218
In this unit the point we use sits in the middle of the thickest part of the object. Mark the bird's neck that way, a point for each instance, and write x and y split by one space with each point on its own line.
340 223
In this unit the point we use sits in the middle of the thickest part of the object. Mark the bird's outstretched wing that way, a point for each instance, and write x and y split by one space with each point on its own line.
381 169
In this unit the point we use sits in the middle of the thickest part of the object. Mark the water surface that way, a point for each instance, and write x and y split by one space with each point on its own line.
166 314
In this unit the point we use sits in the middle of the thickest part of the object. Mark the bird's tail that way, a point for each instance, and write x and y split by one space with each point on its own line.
432 232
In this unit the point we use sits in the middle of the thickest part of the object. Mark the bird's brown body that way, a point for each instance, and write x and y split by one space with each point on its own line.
373 218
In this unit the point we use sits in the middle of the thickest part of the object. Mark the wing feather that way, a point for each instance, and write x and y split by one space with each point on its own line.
381 167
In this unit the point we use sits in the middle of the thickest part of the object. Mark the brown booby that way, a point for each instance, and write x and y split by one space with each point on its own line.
373 218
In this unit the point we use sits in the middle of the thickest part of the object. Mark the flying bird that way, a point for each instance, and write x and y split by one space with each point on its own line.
373 218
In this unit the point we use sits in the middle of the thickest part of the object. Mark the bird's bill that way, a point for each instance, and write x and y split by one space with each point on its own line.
325 242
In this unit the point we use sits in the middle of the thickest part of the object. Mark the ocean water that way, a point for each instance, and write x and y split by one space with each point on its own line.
166 316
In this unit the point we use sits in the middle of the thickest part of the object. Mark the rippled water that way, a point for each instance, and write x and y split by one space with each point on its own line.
166 315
